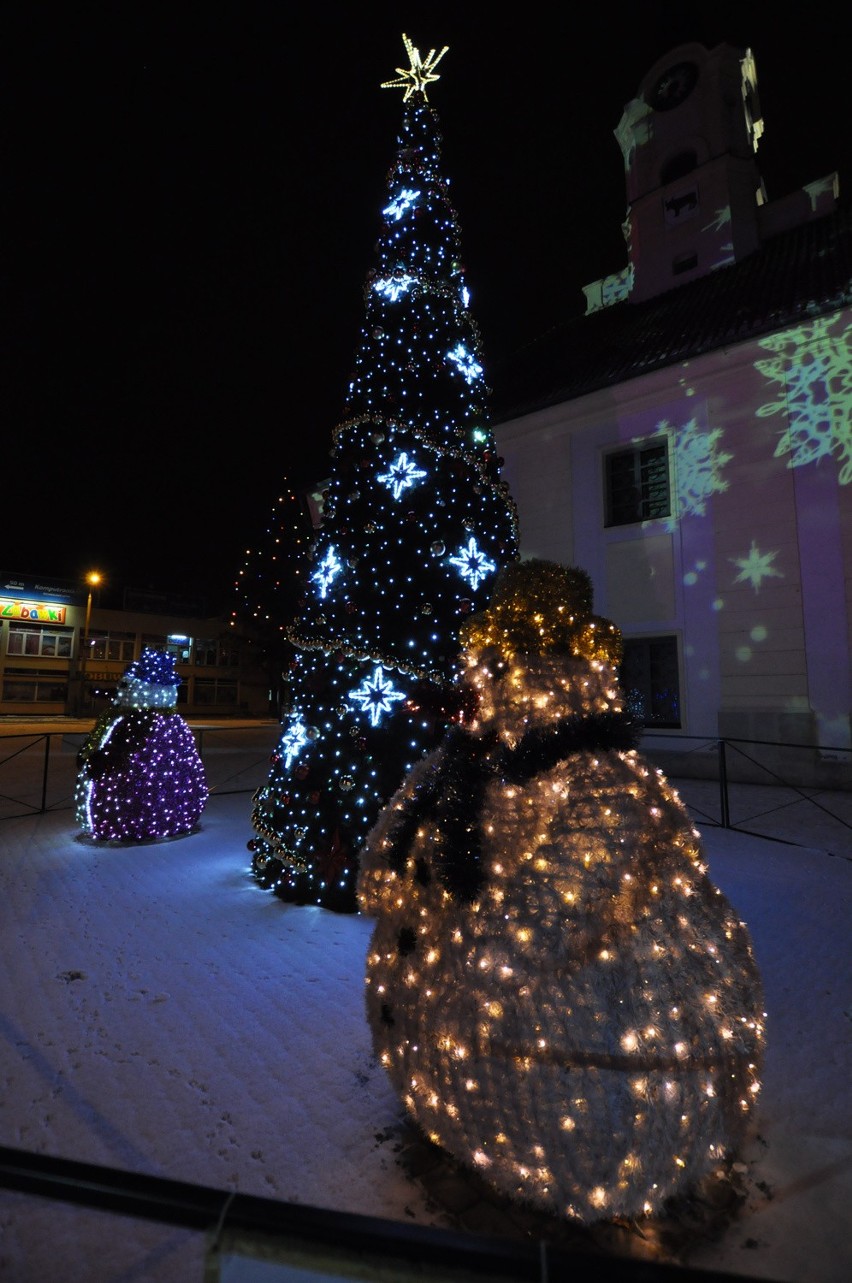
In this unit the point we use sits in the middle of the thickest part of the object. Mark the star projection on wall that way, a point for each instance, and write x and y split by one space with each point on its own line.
812 366
328 570
756 567
473 564
376 695
401 474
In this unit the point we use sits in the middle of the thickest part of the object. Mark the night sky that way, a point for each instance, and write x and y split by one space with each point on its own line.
194 196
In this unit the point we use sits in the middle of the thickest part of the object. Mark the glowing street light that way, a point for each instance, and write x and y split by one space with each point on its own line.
93 579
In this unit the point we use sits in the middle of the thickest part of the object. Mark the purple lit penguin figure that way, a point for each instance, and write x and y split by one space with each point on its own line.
561 997
141 778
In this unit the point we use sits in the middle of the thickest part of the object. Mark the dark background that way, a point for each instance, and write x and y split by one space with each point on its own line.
193 196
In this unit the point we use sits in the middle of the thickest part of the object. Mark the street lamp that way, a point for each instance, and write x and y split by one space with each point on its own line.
93 578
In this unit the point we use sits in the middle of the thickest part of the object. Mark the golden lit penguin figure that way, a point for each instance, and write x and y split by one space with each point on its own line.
563 1000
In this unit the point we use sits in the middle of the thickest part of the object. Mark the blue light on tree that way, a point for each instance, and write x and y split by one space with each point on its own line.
473 564
415 472
292 740
465 362
400 204
328 570
376 695
394 287
401 474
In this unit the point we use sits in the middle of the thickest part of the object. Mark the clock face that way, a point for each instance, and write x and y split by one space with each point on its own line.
675 84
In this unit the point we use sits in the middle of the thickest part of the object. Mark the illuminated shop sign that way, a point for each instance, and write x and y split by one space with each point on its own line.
39 611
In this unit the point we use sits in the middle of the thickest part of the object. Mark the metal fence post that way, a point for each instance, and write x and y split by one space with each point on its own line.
723 787
47 739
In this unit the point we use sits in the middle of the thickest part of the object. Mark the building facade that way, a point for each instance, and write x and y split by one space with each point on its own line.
688 441
63 654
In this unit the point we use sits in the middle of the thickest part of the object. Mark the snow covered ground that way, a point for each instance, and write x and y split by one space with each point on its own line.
161 1014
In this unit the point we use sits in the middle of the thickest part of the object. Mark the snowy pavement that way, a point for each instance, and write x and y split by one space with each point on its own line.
161 1014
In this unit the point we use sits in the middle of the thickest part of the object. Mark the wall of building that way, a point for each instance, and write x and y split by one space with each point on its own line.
752 571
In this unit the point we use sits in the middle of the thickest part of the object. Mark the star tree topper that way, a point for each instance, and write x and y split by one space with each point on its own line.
419 74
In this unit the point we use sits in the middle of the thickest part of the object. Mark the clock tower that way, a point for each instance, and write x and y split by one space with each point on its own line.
694 193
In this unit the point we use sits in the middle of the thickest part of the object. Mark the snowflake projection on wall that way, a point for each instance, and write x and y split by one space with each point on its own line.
376 695
472 563
401 474
721 218
812 367
328 570
698 465
634 129
756 567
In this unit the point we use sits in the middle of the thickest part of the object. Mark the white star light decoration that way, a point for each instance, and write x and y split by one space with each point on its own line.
401 475
400 204
467 364
329 568
292 740
376 696
473 564
418 74
393 287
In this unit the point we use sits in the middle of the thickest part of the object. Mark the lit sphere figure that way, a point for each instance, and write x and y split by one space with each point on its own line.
560 995
140 775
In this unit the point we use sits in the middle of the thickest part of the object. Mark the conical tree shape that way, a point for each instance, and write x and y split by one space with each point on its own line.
268 587
416 524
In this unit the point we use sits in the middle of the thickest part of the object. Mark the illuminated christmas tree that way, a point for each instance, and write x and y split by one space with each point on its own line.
269 586
416 523
560 995
140 775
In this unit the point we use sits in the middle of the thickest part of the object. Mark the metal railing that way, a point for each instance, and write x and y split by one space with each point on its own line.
793 793
292 1239
800 794
38 769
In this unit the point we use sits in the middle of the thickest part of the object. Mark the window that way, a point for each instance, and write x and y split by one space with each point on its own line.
176 645
36 639
208 690
180 646
637 483
211 653
650 679
205 654
32 686
110 644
